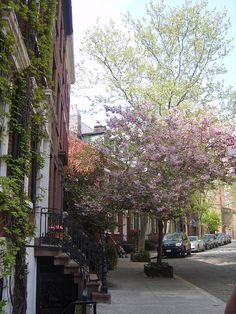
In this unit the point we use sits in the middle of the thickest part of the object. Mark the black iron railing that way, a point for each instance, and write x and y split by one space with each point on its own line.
51 226
57 229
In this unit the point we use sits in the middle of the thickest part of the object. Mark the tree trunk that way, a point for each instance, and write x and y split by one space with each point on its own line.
160 238
199 229
19 295
142 232
186 225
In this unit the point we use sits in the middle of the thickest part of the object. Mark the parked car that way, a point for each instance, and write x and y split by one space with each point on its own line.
222 238
228 238
210 240
176 244
197 244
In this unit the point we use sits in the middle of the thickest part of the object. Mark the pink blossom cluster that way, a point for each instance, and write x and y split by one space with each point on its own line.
161 160
56 228
157 162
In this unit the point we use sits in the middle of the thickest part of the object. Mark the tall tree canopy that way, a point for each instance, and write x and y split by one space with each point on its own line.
169 58
212 220
163 160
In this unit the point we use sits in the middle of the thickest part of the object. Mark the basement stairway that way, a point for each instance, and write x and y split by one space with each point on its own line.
71 267
66 254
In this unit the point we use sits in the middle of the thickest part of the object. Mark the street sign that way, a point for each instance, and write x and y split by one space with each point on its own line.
231 146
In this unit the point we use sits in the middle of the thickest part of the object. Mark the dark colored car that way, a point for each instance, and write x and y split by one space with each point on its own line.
221 237
210 240
228 238
176 244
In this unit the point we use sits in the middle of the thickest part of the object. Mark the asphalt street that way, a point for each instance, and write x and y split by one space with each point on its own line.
213 270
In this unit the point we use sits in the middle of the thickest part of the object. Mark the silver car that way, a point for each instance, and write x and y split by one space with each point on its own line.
197 244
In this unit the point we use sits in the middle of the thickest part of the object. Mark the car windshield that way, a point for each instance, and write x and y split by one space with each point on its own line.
193 238
208 236
172 236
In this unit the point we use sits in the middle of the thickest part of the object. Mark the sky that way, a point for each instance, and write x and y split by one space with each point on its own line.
86 12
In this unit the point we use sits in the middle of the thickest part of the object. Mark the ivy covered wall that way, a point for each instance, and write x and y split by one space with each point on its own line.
26 30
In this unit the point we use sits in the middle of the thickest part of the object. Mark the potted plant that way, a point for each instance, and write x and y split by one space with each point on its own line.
56 231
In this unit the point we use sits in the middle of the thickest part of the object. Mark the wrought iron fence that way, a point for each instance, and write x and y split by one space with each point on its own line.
57 229
51 226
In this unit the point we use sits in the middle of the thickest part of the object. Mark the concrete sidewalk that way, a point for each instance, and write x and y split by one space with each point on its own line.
134 293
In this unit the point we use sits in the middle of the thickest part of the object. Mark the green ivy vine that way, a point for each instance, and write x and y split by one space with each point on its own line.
26 119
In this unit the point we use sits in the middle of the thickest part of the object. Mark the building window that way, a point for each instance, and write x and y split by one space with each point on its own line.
135 222
116 228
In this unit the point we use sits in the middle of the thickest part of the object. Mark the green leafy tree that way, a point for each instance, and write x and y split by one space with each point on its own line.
212 220
229 109
199 203
169 58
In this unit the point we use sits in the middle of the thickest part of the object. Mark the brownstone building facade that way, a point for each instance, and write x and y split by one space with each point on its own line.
43 185
62 77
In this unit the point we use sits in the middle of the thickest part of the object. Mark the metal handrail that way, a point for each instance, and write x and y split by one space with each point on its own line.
56 229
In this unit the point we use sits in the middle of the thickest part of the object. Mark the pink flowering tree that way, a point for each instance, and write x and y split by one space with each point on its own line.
161 161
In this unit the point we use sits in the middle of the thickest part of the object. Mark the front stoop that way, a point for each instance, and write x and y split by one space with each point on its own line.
93 277
92 287
77 277
61 259
101 297
71 267
93 284
47 251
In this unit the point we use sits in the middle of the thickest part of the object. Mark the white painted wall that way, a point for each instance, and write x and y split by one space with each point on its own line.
4 141
42 190
8 282
31 279
43 184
